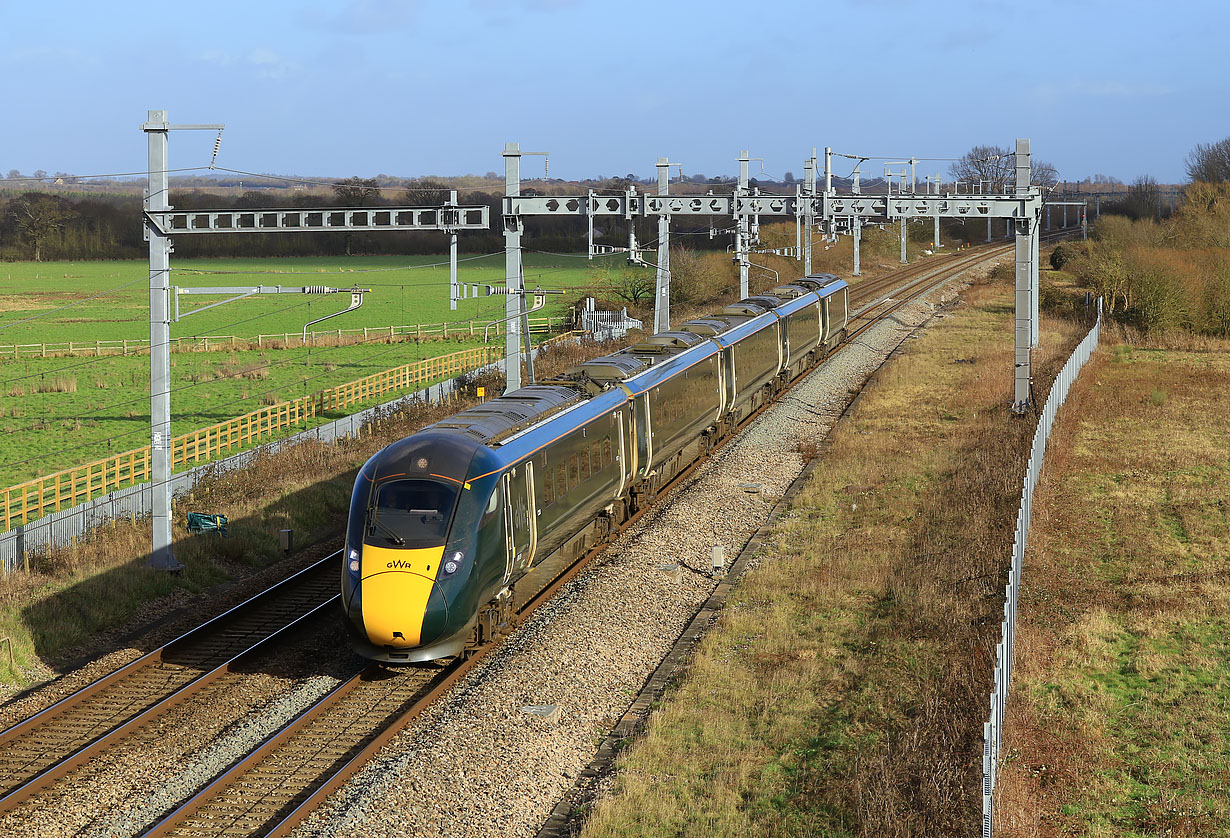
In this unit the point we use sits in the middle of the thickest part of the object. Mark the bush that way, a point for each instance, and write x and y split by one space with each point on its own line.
1062 255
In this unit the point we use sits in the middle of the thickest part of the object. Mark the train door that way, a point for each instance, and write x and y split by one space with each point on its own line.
732 380
520 526
622 456
644 433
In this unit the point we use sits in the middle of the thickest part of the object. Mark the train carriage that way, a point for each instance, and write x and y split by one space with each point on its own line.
445 522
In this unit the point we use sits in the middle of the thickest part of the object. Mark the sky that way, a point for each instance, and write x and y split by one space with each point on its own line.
420 87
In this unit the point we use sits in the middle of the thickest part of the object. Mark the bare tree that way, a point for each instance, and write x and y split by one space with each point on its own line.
1209 163
1042 174
425 192
39 216
984 163
998 165
356 191
1144 198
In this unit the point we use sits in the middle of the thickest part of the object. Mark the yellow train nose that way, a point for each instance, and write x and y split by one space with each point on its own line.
395 586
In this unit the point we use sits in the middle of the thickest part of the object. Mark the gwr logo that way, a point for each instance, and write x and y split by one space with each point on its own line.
398 564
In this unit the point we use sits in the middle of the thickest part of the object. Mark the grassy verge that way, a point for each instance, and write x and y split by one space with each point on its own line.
1119 719
842 692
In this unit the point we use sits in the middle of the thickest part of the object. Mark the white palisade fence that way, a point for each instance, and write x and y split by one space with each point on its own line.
992 731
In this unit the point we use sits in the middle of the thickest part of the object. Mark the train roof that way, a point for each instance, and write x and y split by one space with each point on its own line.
502 417
511 415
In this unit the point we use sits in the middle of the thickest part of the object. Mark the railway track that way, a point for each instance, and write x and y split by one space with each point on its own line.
272 789
45 747
270 792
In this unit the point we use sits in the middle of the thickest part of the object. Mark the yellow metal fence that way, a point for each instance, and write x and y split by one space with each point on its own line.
34 498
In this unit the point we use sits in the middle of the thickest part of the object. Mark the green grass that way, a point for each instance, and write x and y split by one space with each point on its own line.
1118 718
102 404
57 413
404 291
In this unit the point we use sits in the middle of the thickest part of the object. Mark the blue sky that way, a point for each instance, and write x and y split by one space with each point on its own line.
412 87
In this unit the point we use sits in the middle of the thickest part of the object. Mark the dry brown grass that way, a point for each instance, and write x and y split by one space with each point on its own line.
843 690
1117 723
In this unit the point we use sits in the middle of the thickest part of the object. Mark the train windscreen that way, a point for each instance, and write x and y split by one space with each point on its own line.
411 514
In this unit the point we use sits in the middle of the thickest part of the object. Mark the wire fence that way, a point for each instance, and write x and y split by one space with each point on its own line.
992 731
282 340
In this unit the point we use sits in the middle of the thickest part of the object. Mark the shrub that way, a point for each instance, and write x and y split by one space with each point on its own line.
1062 255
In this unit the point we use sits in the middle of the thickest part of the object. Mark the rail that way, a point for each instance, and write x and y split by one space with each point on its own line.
992 731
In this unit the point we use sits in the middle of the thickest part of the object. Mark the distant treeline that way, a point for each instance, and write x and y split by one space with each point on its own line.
46 225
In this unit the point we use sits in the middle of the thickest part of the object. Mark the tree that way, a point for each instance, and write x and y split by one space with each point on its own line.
998 165
1209 163
425 192
1042 174
788 177
984 163
1144 198
356 191
14 174
38 216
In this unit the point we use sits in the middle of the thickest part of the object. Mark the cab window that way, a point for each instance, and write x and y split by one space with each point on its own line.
410 514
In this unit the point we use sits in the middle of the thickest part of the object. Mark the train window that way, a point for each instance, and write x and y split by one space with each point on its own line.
595 455
561 478
607 459
584 455
573 465
411 513
548 487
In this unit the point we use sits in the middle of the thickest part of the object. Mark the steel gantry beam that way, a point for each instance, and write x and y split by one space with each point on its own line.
827 206
324 219
1021 208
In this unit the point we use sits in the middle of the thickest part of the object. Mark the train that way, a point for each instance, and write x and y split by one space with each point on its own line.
444 523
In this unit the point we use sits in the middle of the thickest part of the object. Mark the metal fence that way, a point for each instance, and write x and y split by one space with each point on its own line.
607 325
69 525
992 730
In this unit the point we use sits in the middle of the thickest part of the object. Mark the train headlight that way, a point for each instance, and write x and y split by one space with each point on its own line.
452 564
354 561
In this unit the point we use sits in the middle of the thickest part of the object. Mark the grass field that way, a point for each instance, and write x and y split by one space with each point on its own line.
1119 718
56 413
405 290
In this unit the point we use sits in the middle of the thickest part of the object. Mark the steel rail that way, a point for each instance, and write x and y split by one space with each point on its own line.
345 759
46 746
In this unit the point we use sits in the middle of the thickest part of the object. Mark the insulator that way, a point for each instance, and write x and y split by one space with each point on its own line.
217 145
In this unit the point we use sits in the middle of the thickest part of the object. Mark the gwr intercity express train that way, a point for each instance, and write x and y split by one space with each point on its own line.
445 522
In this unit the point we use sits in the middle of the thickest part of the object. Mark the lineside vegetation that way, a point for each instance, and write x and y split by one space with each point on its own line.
843 690
1119 717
